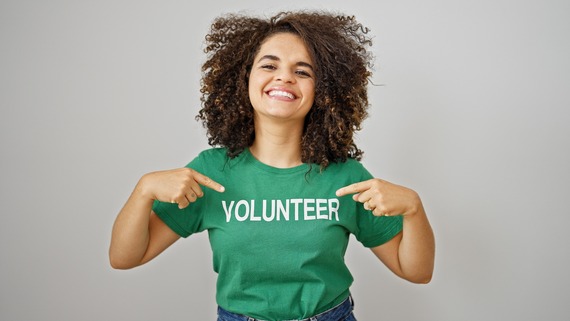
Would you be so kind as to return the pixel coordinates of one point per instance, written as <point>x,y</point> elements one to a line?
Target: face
<point>282,79</point>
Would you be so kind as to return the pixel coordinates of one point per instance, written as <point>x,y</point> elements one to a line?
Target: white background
<point>472,111</point>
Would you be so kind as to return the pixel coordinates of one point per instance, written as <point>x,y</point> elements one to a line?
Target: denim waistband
<point>334,314</point>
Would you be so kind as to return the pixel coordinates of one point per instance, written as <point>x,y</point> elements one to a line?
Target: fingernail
<point>221,189</point>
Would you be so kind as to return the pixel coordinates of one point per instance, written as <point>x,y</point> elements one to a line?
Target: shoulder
<point>214,153</point>
<point>349,164</point>
<point>215,158</point>
<point>208,157</point>
<point>349,168</point>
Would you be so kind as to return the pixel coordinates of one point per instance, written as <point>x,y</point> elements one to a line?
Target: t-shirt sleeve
<point>374,230</point>
<point>183,222</point>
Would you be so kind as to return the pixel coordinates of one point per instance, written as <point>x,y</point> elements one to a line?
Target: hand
<point>382,197</point>
<point>181,186</point>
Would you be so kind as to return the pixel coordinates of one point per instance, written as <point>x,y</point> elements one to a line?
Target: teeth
<point>274,93</point>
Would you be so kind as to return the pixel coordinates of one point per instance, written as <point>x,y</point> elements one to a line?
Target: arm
<point>138,234</point>
<point>411,253</point>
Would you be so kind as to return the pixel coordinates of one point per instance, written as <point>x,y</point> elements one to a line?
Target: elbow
<point>119,263</point>
<point>424,278</point>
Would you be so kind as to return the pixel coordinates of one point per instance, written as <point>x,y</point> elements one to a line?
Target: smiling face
<point>282,79</point>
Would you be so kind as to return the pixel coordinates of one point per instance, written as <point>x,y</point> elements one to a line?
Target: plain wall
<point>471,110</point>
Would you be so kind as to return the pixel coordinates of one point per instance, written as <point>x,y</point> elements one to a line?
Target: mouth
<point>274,93</point>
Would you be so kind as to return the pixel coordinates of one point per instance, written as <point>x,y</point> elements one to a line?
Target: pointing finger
<point>353,188</point>
<point>208,182</point>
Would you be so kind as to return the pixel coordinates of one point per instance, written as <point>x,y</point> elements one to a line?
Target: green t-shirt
<point>278,236</point>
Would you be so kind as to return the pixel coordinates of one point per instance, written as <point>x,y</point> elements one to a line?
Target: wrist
<point>143,190</point>
<point>415,205</point>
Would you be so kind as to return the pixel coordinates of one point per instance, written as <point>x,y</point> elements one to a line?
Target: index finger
<point>353,188</point>
<point>208,182</point>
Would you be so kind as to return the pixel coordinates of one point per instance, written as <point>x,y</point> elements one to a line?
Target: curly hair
<point>337,45</point>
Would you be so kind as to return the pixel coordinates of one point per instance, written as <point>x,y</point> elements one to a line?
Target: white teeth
<point>274,93</point>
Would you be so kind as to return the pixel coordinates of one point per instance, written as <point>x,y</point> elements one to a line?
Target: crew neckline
<point>268,168</point>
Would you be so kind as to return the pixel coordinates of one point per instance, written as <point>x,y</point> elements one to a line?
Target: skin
<point>411,253</point>
<point>281,89</point>
<point>138,234</point>
<point>282,64</point>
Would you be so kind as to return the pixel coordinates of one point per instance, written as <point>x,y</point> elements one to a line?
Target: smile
<point>280,93</point>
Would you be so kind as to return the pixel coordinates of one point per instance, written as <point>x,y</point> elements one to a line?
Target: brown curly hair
<point>337,45</point>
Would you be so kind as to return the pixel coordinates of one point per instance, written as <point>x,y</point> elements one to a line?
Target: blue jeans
<point>342,312</point>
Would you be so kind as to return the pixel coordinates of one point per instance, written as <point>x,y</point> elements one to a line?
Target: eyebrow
<point>275,58</point>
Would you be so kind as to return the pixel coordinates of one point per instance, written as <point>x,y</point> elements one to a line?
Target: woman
<point>283,189</point>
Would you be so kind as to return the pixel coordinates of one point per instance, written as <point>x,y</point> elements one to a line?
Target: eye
<point>268,67</point>
<point>303,73</point>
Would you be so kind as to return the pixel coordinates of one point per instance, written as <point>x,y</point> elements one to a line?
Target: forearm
<point>416,251</point>
<point>130,236</point>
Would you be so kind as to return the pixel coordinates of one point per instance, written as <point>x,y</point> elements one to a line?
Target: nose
<point>285,76</point>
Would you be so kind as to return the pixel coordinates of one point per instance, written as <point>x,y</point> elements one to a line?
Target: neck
<point>277,146</point>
